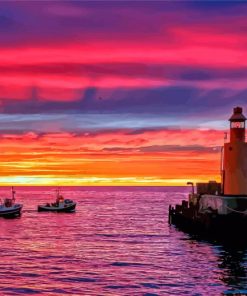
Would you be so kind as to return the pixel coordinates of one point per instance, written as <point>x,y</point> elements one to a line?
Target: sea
<point>118,242</point>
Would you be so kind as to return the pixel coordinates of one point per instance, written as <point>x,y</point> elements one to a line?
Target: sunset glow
<point>113,93</point>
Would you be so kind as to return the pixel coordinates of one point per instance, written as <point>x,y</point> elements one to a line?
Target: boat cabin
<point>8,202</point>
<point>59,199</point>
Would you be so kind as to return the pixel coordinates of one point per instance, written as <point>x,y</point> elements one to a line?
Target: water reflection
<point>232,262</point>
<point>225,262</point>
<point>117,243</point>
<point>231,259</point>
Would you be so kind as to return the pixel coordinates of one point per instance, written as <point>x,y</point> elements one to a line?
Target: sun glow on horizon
<point>94,181</point>
<point>110,158</point>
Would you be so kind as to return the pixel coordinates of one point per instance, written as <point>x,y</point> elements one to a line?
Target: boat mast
<point>13,193</point>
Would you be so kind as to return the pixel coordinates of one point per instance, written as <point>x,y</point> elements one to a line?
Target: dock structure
<point>220,209</point>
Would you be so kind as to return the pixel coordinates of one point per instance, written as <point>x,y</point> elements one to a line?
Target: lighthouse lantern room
<point>234,177</point>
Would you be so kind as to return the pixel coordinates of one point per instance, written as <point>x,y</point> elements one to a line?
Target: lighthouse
<point>234,175</point>
<point>220,210</point>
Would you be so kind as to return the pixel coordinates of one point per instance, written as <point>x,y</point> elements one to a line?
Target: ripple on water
<point>117,243</point>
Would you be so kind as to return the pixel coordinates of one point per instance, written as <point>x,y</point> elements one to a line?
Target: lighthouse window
<point>237,124</point>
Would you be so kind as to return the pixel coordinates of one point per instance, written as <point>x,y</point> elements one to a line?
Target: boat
<point>60,205</point>
<point>219,209</point>
<point>8,207</point>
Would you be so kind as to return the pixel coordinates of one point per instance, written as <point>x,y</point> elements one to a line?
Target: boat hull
<point>11,212</point>
<point>65,209</point>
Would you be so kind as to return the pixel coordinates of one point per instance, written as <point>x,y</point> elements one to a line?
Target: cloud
<point>165,153</point>
<point>166,148</point>
<point>147,141</point>
<point>179,148</point>
<point>144,87</point>
<point>134,55</point>
<point>140,108</point>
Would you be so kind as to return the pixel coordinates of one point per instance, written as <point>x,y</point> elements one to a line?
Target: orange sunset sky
<point>118,93</point>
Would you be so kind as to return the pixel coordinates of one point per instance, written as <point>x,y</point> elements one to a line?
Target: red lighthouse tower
<point>223,215</point>
<point>235,156</point>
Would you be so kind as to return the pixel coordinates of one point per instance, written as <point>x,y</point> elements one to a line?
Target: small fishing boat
<point>8,207</point>
<point>60,205</point>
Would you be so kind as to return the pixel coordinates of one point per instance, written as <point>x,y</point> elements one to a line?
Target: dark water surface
<point>117,243</point>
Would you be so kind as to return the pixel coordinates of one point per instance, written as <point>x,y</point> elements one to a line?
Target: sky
<point>118,92</point>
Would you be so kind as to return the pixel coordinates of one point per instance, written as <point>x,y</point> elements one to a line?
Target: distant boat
<point>60,205</point>
<point>8,207</point>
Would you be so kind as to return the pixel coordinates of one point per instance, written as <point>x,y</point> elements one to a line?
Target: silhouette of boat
<point>8,207</point>
<point>60,205</point>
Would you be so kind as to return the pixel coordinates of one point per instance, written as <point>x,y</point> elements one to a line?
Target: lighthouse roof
<point>237,115</point>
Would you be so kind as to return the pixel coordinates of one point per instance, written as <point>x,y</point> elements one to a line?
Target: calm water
<point>117,243</point>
